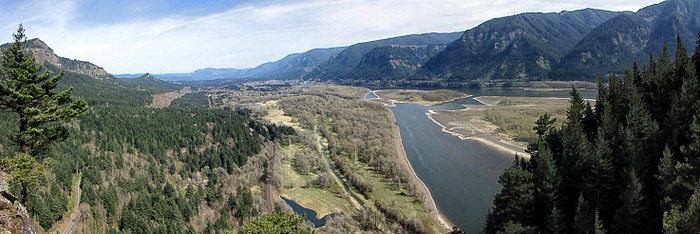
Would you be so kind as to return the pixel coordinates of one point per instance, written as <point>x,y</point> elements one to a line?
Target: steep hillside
<point>44,55</point>
<point>393,61</point>
<point>343,63</point>
<point>630,38</point>
<point>524,46</point>
<point>293,66</point>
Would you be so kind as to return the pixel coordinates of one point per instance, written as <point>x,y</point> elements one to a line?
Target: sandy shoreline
<point>486,142</point>
<point>433,209</point>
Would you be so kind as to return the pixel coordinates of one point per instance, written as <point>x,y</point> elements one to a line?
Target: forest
<point>180,169</point>
<point>628,164</point>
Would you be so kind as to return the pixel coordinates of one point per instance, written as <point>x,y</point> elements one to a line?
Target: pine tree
<point>575,148</point>
<point>601,179</point>
<point>666,176</point>
<point>684,220</point>
<point>556,222</point>
<point>546,181</point>
<point>598,224</point>
<point>513,204</point>
<point>584,221</point>
<point>629,217</point>
<point>30,94</point>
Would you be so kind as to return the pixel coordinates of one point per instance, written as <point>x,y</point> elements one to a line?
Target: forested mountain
<point>292,66</point>
<point>631,164</point>
<point>342,64</point>
<point>630,38</point>
<point>524,46</point>
<point>45,56</point>
<point>393,61</point>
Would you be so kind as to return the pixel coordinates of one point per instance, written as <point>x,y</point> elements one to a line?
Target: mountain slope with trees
<point>630,38</point>
<point>145,170</point>
<point>293,66</point>
<point>342,64</point>
<point>630,164</point>
<point>524,46</point>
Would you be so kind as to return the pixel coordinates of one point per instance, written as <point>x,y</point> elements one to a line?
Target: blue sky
<point>180,36</point>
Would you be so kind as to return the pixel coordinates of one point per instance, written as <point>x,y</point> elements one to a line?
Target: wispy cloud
<point>248,34</point>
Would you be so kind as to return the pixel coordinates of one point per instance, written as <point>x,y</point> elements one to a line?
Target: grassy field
<point>431,97</point>
<point>300,188</point>
<point>512,116</point>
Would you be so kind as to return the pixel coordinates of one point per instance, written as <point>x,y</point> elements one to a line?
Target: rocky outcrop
<point>45,56</point>
<point>13,216</point>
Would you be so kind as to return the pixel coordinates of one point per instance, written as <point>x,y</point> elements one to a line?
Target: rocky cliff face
<point>45,56</point>
<point>13,216</point>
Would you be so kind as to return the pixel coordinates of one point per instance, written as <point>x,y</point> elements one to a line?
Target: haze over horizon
<point>164,37</point>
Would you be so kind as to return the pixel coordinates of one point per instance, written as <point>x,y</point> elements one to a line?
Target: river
<point>462,175</point>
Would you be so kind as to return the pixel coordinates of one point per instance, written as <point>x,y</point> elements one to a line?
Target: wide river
<point>462,175</point>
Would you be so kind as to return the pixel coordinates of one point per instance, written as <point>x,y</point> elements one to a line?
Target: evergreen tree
<point>584,221</point>
<point>684,220</point>
<point>575,148</point>
<point>630,218</point>
<point>556,221</point>
<point>30,94</point>
<point>598,225</point>
<point>513,204</point>
<point>546,181</point>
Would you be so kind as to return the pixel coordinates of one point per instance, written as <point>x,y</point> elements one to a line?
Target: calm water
<point>461,175</point>
<point>309,214</point>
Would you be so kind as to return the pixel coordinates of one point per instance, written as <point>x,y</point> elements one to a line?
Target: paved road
<point>76,211</point>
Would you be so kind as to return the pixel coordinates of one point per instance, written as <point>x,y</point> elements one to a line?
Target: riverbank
<point>427,98</point>
<point>428,197</point>
<point>500,143</point>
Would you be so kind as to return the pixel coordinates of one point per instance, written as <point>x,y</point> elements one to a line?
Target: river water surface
<point>462,175</point>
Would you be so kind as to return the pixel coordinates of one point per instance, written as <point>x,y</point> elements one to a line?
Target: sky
<point>160,36</point>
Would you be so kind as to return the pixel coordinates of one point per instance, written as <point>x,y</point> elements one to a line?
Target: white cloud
<point>248,35</point>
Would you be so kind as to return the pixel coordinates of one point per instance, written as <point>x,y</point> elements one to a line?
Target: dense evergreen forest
<point>148,170</point>
<point>628,164</point>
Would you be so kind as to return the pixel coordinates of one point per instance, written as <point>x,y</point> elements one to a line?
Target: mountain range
<point>567,45</point>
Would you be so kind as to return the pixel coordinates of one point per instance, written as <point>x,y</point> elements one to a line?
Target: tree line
<point>628,164</point>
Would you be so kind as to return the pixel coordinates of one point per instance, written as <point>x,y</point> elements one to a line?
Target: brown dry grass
<point>164,99</point>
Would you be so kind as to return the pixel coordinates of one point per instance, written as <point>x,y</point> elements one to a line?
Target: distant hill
<point>343,64</point>
<point>198,75</point>
<point>45,56</point>
<point>519,47</point>
<point>393,61</point>
<point>293,66</point>
<point>152,81</point>
<point>629,38</point>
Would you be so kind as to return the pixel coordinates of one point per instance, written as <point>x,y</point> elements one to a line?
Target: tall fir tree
<point>575,148</point>
<point>546,181</point>
<point>630,217</point>
<point>25,90</point>
<point>584,221</point>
